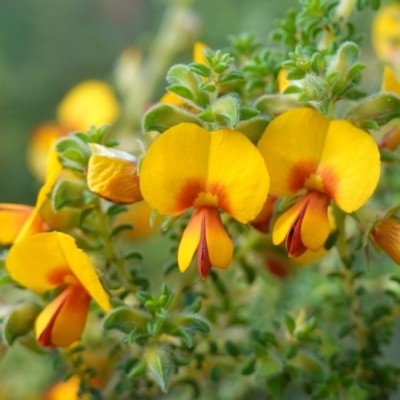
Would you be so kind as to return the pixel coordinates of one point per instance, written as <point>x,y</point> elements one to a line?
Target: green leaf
<point>125,319</point>
<point>290,324</point>
<point>274,105</point>
<point>20,321</point>
<point>199,69</point>
<point>249,367</point>
<point>69,193</point>
<point>159,362</point>
<point>164,116</point>
<point>232,348</point>
<point>232,76</point>
<point>295,74</point>
<point>120,228</point>
<point>381,108</point>
<point>225,111</point>
<point>133,255</point>
<point>252,128</point>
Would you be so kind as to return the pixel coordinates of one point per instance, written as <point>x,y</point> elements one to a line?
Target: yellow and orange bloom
<point>89,103</point>
<point>386,235</point>
<point>112,174</point>
<point>51,260</point>
<point>319,160</point>
<point>262,221</point>
<point>186,167</point>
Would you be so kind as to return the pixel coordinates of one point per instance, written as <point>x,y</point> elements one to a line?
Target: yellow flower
<point>112,174</point>
<point>50,260</point>
<point>89,103</point>
<point>188,166</point>
<point>263,220</point>
<point>328,160</point>
<point>386,33</point>
<point>67,390</point>
<point>386,235</point>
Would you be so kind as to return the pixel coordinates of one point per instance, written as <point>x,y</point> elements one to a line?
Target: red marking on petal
<point>329,181</point>
<point>203,259</point>
<point>56,276</point>
<point>300,173</point>
<point>189,193</point>
<point>294,245</point>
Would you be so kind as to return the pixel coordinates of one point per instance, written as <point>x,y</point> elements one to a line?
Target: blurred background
<point>48,46</point>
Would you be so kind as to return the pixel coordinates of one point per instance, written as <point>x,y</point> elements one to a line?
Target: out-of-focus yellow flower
<point>386,33</point>
<point>188,166</point>
<point>386,235</point>
<point>112,174</point>
<point>89,103</point>
<point>283,82</point>
<point>138,214</point>
<point>67,390</point>
<point>329,160</point>
<point>49,260</point>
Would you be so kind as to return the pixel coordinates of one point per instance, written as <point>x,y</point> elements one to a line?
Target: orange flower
<point>319,160</point>
<point>188,166</point>
<point>50,260</point>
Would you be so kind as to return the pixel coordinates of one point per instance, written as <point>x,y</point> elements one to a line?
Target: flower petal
<point>38,262</point>
<point>188,165</point>
<point>47,260</point>
<point>349,165</point>
<point>54,169</point>
<point>292,145</point>
<point>12,219</point>
<point>390,82</point>
<point>285,221</point>
<point>315,226</point>
<point>219,244</point>
<point>89,103</point>
<point>198,56</point>
<point>386,32</point>
<point>190,240</point>
<point>387,235</point>
<point>62,322</point>
<point>237,173</point>
<point>174,169</point>
<point>112,174</point>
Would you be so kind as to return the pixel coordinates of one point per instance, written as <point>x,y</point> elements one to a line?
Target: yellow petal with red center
<point>291,147</point>
<point>349,165</point>
<point>198,56</point>
<point>54,169</point>
<point>285,221</point>
<point>112,174</point>
<point>188,165</point>
<point>12,218</point>
<point>386,32</point>
<point>390,82</point>
<point>62,322</point>
<point>237,175</point>
<point>219,244</point>
<point>47,260</point>
<point>88,103</point>
<point>43,138</point>
<point>387,235</point>
<point>174,170</point>
<point>190,239</point>
<point>315,226</point>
